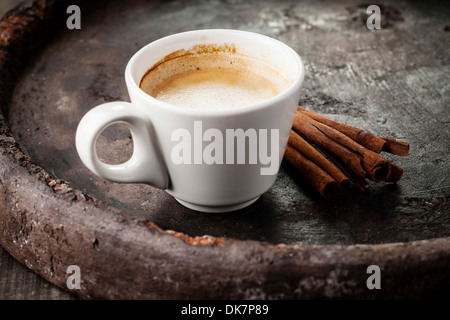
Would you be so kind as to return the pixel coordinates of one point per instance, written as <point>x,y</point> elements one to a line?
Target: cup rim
<point>293,87</point>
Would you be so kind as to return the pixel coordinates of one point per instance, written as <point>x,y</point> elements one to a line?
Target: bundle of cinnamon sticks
<point>331,155</point>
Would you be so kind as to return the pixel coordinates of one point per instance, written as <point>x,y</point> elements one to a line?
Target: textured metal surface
<point>392,82</point>
<point>352,74</point>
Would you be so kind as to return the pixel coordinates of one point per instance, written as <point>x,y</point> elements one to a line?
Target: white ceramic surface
<point>203,187</point>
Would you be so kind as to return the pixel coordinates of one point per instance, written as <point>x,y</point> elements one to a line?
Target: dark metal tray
<point>134,241</point>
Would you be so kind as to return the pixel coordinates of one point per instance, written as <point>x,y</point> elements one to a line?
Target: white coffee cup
<point>200,185</point>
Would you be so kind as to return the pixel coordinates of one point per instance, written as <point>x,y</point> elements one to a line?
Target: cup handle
<point>144,166</point>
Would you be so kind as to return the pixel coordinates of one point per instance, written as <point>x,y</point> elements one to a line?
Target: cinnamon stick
<point>319,159</point>
<point>346,159</point>
<point>317,177</point>
<point>395,174</point>
<point>330,154</point>
<point>364,138</point>
<point>358,180</point>
<point>396,147</point>
<point>358,159</point>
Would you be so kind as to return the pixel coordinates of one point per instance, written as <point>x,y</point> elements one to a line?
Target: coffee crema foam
<point>212,80</point>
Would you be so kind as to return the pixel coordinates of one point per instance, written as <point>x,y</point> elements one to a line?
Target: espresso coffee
<point>212,80</point>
